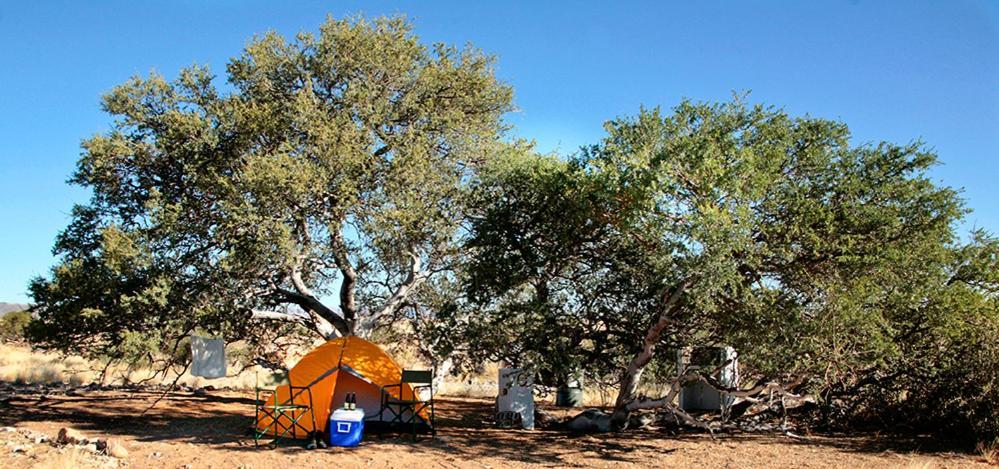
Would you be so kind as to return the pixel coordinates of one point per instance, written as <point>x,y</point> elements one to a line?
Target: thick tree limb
<point>631,377</point>
<point>308,319</point>
<point>278,316</point>
<point>349,280</point>
<point>312,305</point>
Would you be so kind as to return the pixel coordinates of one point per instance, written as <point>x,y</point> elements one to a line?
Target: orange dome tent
<point>340,366</point>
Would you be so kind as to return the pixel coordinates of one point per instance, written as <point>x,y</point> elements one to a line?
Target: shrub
<point>13,326</point>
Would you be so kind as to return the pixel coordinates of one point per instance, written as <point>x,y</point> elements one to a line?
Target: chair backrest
<point>417,376</point>
<point>270,381</point>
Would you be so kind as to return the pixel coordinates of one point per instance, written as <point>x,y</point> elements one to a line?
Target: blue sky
<point>893,71</point>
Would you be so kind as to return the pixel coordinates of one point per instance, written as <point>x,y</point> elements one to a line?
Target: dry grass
<point>70,459</point>
<point>19,364</point>
<point>920,465</point>
<point>989,452</point>
<point>22,365</point>
<point>485,385</point>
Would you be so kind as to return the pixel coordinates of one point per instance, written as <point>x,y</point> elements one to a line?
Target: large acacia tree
<point>330,166</point>
<point>821,261</point>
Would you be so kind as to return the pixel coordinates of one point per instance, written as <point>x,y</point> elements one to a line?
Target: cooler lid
<point>355,415</point>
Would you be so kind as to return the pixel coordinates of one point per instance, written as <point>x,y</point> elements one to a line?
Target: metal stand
<point>285,417</point>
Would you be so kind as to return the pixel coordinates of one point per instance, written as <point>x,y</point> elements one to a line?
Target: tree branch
<point>317,311</point>
<point>349,281</point>
<point>313,321</point>
<point>414,278</point>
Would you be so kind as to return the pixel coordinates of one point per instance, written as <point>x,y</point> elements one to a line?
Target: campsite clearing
<point>209,430</point>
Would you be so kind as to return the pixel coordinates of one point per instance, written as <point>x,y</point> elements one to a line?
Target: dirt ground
<point>196,431</point>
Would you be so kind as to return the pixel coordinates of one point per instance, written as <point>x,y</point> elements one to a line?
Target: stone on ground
<point>71,436</point>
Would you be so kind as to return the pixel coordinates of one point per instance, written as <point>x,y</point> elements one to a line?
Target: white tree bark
<point>308,319</point>
<point>632,375</point>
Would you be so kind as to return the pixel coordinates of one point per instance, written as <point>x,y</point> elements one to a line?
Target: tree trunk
<point>631,377</point>
<point>441,371</point>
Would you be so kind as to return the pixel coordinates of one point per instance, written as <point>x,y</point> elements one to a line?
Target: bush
<point>13,326</point>
<point>953,391</point>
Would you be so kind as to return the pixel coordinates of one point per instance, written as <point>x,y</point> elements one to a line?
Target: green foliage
<point>942,376</point>
<point>13,326</point>
<point>536,289</point>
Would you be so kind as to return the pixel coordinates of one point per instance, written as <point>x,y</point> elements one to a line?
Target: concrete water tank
<point>516,394</point>
<point>699,396</point>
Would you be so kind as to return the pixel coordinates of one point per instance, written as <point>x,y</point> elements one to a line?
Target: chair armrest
<point>386,395</point>
<point>417,388</point>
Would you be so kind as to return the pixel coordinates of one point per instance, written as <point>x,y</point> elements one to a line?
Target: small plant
<point>989,452</point>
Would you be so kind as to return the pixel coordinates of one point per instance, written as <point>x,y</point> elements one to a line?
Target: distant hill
<point>12,307</point>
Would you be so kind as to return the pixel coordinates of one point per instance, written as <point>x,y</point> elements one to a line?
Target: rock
<point>102,444</point>
<point>90,448</point>
<point>71,436</point>
<point>73,393</point>
<point>643,420</point>
<point>20,449</point>
<point>116,449</point>
<point>8,429</point>
<point>590,420</point>
<point>39,439</point>
<point>200,392</point>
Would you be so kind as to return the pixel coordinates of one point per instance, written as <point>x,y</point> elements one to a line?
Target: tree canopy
<point>331,165</point>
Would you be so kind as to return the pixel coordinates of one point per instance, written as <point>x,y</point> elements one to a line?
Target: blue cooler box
<point>345,427</point>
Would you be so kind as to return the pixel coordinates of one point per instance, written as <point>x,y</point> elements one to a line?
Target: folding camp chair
<point>398,406</point>
<point>285,416</point>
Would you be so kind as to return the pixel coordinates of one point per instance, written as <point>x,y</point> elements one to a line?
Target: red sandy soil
<point>185,430</point>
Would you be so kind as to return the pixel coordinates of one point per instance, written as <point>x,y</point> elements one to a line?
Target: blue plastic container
<point>346,427</point>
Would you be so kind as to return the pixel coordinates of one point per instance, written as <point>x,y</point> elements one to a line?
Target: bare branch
<point>414,278</point>
<point>277,316</point>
